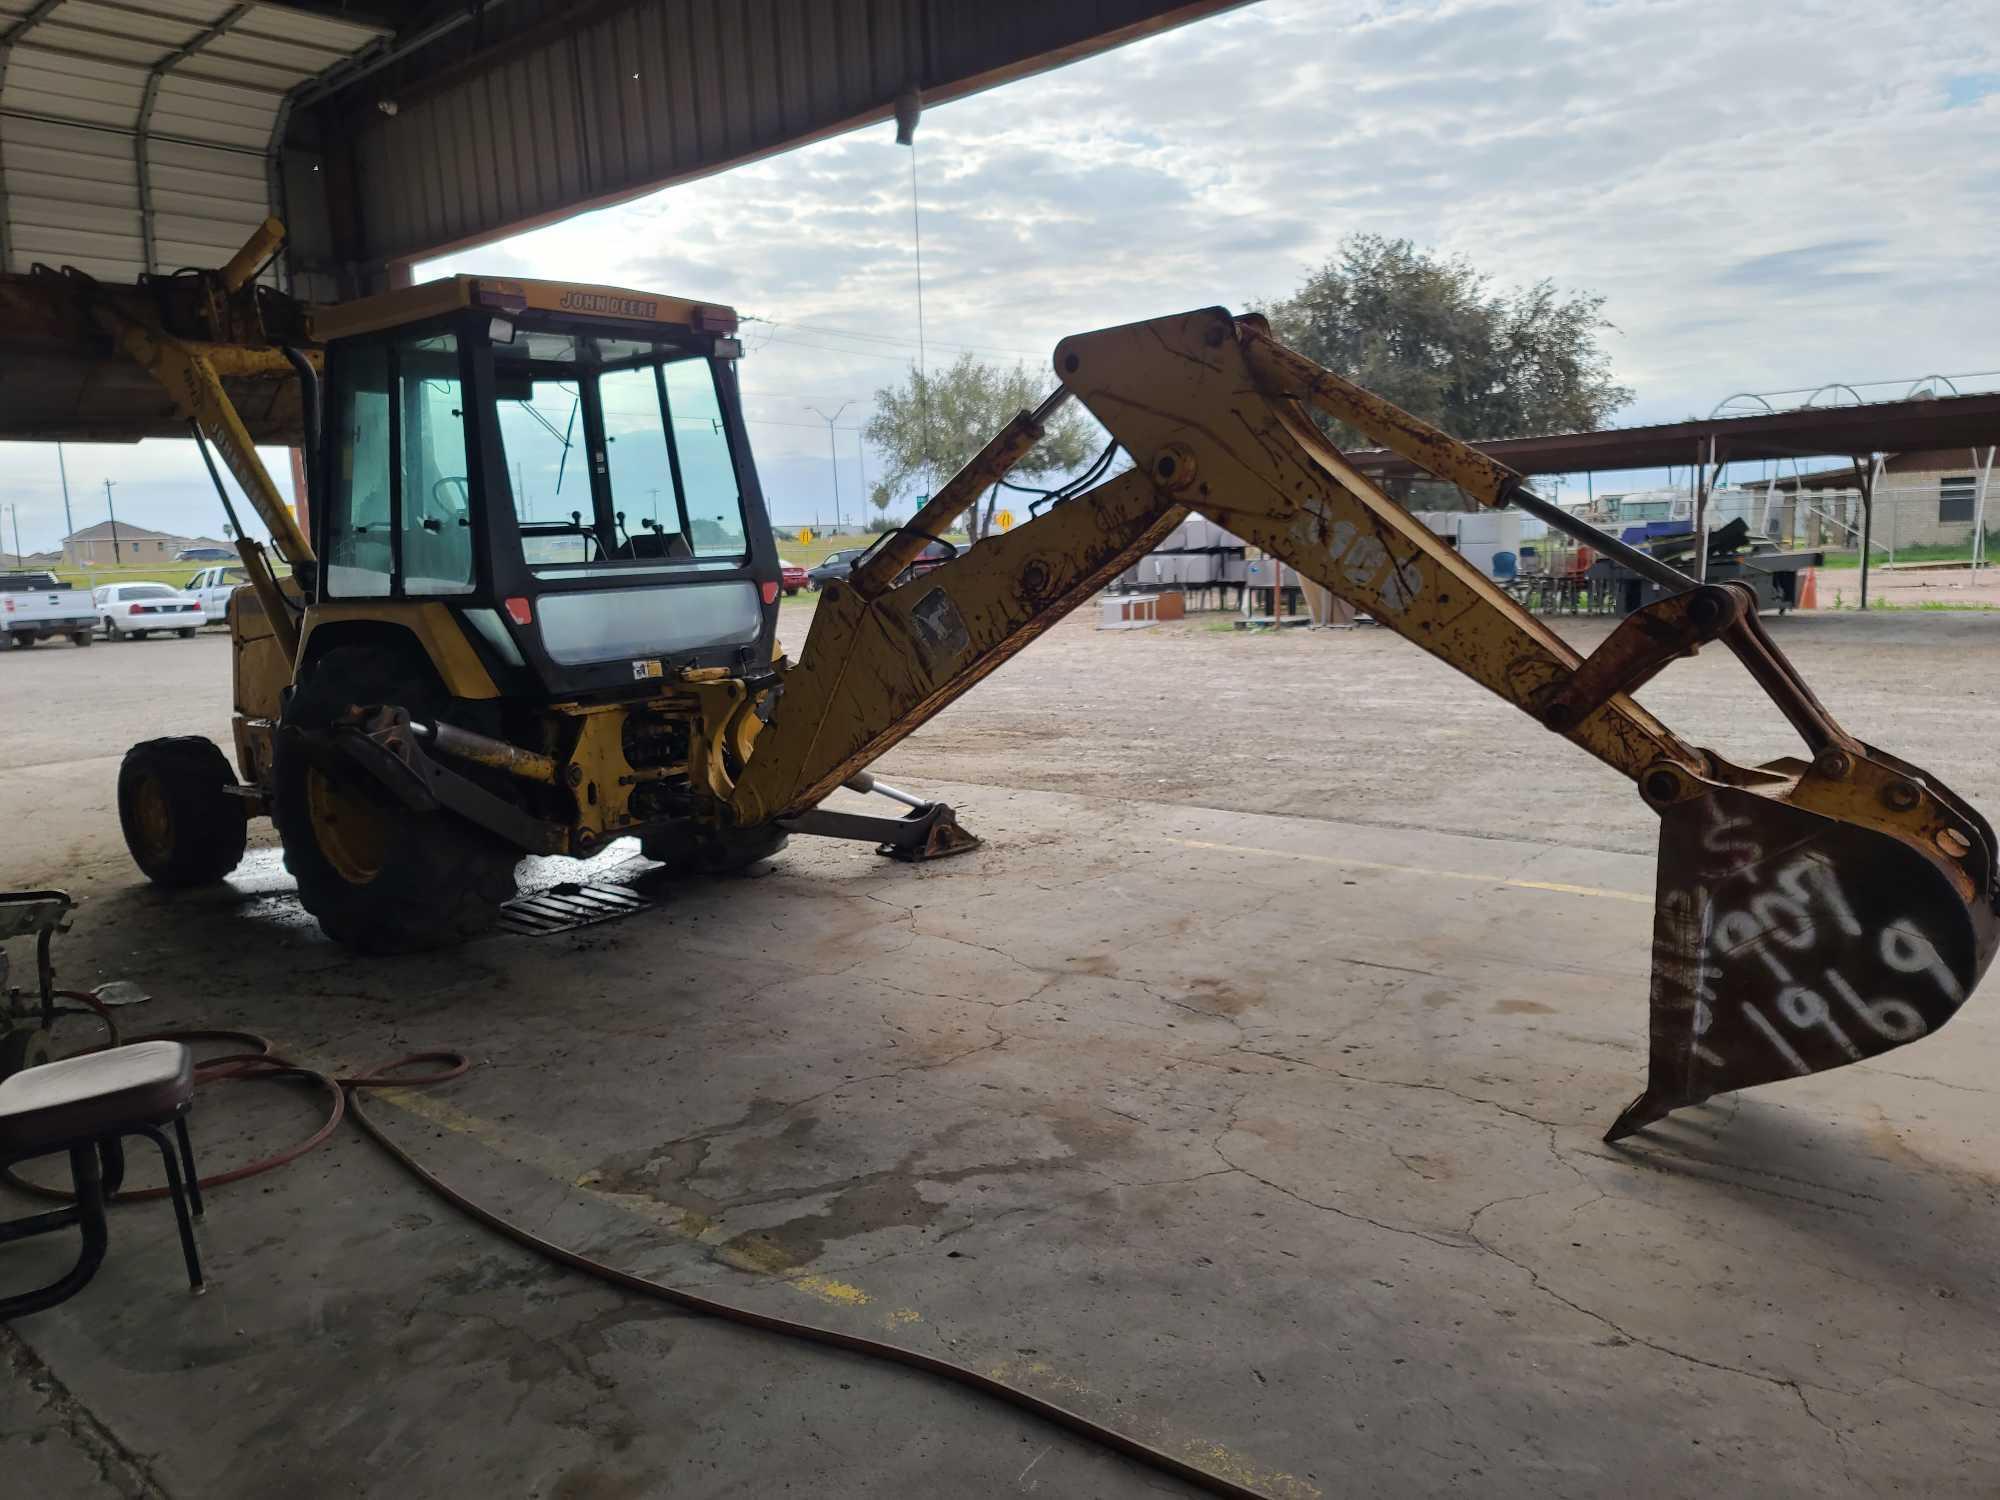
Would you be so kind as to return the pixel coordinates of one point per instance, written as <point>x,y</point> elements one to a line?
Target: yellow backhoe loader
<point>537,613</point>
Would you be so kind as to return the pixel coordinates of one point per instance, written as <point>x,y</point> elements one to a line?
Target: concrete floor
<point>1272,1139</point>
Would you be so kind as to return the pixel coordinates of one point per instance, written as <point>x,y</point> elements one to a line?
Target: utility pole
<point>117,557</point>
<point>832,453</point>
<point>19,555</point>
<point>69,526</point>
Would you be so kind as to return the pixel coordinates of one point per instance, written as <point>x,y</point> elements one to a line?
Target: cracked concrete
<point>1287,1160</point>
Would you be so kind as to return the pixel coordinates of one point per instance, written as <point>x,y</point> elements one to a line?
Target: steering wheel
<point>443,502</point>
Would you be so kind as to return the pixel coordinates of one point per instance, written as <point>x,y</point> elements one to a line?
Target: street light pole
<point>69,526</point>
<point>832,454</point>
<point>117,557</point>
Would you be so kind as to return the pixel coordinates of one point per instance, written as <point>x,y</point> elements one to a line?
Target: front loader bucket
<point>1787,942</point>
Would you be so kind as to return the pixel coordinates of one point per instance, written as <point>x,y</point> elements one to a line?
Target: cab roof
<point>506,294</point>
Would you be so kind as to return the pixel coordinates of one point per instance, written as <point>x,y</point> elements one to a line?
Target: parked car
<point>203,554</point>
<point>833,568</point>
<point>213,586</point>
<point>34,605</point>
<point>791,577</point>
<point>133,611</point>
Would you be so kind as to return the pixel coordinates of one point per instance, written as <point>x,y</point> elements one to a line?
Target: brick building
<point>136,546</point>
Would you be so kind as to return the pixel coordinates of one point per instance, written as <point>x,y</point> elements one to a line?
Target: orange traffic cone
<point>1809,590</point>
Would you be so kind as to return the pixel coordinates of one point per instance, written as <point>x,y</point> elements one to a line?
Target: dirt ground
<point>1360,726</point>
<point>1353,725</point>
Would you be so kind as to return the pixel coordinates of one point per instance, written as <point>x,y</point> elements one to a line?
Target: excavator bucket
<point>1787,942</point>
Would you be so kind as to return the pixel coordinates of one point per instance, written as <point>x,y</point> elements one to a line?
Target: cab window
<point>400,520</point>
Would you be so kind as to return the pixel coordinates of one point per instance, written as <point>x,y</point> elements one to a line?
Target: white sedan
<point>132,611</point>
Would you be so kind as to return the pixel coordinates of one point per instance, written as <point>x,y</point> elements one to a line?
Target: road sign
<point>1004,520</point>
<point>805,535</point>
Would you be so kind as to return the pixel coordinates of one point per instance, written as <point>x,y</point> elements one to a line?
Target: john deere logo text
<point>608,305</point>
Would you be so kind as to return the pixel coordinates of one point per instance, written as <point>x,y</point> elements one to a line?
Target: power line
<point>806,426</point>
<point>887,338</point>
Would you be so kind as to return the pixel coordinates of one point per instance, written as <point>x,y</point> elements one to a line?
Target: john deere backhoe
<point>538,612</point>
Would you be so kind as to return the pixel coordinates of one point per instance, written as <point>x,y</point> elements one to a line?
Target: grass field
<point>172,574</point>
<point>1925,552</point>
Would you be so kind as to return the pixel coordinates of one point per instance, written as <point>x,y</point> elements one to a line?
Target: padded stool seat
<point>46,1108</point>
<point>86,1106</point>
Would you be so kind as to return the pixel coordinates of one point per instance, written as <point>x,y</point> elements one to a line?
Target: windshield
<point>662,488</point>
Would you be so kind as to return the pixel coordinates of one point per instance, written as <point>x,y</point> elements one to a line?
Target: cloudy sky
<point>1770,195</point>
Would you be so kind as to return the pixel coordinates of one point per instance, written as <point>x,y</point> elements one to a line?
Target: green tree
<point>928,427</point>
<point>1431,334</point>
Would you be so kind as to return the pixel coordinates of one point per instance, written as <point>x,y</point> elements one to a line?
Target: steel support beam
<point>142,138</point>
<point>37,13</point>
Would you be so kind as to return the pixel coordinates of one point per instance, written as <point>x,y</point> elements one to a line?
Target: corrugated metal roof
<point>138,135</point>
<point>562,106</point>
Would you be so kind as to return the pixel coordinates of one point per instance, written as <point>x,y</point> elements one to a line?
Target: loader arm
<point>1810,913</point>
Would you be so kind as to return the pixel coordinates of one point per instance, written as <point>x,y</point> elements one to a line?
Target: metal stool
<point>87,1106</point>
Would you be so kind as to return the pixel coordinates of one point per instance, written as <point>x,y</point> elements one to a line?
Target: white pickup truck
<point>35,605</point>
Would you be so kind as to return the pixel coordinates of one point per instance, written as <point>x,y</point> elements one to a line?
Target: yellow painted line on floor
<point>1369,864</point>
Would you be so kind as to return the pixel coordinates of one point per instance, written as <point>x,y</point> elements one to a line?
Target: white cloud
<point>1769,196</point>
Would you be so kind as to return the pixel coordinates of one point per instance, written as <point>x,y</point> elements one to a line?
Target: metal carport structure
<point>144,135</point>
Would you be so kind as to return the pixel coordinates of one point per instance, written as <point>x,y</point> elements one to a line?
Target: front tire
<point>182,825</point>
<point>380,878</point>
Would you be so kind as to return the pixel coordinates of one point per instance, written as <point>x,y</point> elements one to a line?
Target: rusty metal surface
<point>1180,395</point>
<point>1641,646</point>
<point>1786,943</point>
<point>1003,450</point>
<point>1282,371</point>
<point>872,670</point>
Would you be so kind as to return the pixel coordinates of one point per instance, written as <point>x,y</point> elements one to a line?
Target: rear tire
<point>186,632</point>
<point>83,638</point>
<point>380,878</point>
<point>21,640</point>
<point>181,824</point>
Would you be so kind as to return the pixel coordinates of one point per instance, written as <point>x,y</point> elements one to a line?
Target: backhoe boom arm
<point>1810,913</point>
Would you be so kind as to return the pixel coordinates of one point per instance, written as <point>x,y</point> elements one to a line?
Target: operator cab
<point>565,467</point>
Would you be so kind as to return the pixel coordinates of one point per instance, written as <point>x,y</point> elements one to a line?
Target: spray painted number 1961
<point>1801,919</point>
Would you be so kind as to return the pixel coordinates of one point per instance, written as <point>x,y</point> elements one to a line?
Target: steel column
<point>142,137</point>
<point>1866,470</point>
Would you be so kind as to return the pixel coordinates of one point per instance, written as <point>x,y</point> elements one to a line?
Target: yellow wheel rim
<point>351,833</point>
<point>156,824</point>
